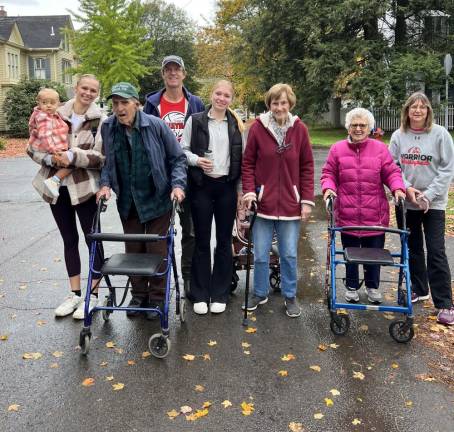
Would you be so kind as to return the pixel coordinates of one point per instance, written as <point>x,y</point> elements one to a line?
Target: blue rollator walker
<point>401,330</point>
<point>129,265</point>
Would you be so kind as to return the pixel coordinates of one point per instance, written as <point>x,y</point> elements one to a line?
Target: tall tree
<point>112,41</point>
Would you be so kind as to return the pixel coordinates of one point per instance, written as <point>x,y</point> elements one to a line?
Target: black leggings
<point>65,216</point>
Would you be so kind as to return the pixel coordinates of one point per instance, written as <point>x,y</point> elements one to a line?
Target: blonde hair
<point>276,91</point>
<point>88,76</point>
<point>231,111</point>
<point>54,92</point>
<point>405,118</point>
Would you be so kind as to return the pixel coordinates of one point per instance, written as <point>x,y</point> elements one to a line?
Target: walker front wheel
<point>401,331</point>
<point>339,324</point>
<point>106,313</point>
<point>275,281</point>
<point>159,345</point>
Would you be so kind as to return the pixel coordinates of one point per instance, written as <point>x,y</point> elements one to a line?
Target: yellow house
<point>34,47</point>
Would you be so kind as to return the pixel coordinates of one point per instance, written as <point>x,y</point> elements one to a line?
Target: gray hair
<point>362,113</point>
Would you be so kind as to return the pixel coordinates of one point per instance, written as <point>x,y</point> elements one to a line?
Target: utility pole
<point>448,67</point>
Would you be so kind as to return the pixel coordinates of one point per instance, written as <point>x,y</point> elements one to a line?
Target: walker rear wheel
<point>182,309</point>
<point>105,313</point>
<point>84,343</point>
<point>339,324</point>
<point>401,331</point>
<point>159,345</point>
<point>275,281</point>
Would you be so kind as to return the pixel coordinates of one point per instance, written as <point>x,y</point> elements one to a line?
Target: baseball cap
<point>124,90</point>
<point>173,59</point>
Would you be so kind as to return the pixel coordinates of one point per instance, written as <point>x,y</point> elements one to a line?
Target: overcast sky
<point>199,10</point>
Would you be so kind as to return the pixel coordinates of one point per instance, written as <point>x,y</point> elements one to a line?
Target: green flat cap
<point>124,90</point>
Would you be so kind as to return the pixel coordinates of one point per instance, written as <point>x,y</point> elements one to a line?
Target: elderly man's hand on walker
<point>178,194</point>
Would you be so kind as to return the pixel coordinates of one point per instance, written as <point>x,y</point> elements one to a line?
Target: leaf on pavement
<point>54,365</point>
<point>245,344</point>
<point>408,403</point>
<point>185,409</point>
<point>146,354</point>
<point>189,357</point>
<point>198,414</point>
<point>295,427</point>
<point>334,392</point>
<point>110,344</point>
<point>334,346</point>
<point>226,403</point>
<point>358,375</point>
<point>172,414</point>
<point>23,286</point>
<point>41,323</point>
<point>389,315</point>
<point>288,357</point>
<point>110,378</point>
<point>118,386</point>
<point>4,337</point>
<point>247,408</point>
<point>103,364</point>
<point>318,416</point>
<point>118,350</point>
<point>315,368</point>
<point>322,347</point>
<point>207,404</point>
<point>425,377</point>
<point>31,356</point>
<point>199,388</point>
<point>329,402</point>
<point>364,327</point>
<point>251,330</point>
<point>246,352</point>
<point>356,421</point>
<point>14,407</point>
<point>131,362</point>
<point>395,366</point>
<point>212,343</point>
<point>57,354</point>
<point>88,382</point>
<point>283,373</point>
<point>206,356</point>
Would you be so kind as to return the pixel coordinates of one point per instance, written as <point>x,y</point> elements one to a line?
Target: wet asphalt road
<point>49,390</point>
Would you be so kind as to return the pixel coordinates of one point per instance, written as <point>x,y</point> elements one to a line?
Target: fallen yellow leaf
<point>226,403</point>
<point>389,315</point>
<point>334,392</point>
<point>14,407</point>
<point>41,322</point>
<point>185,409</point>
<point>189,357</point>
<point>425,377</point>
<point>358,375</point>
<point>118,350</point>
<point>246,352</point>
<point>356,421</point>
<point>315,368</point>
<point>206,357</point>
<point>295,427</point>
<point>334,346</point>
<point>54,365</point>
<point>201,413</point>
<point>4,337</point>
<point>253,319</point>
<point>110,378</point>
<point>247,408</point>
<point>146,354</point>
<point>131,362</point>
<point>408,403</point>
<point>88,382</point>
<point>206,404</point>
<point>251,330</point>
<point>318,416</point>
<point>245,344</point>
<point>103,364</point>
<point>283,373</point>
<point>172,414</point>
<point>395,366</point>
<point>212,343</point>
<point>322,347</point>
<point>199,388</point>
<point>57,354</point>
<point>23,286</point>
<point>288,357</point>
<point>364,327</point>
<point>110,344</point>
<point>32,356</point>
<point>329,402</point>
<point>118,386</point>
<point>432,317</point>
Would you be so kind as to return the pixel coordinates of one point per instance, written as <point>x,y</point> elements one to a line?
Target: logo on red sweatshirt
<point>415,157</point>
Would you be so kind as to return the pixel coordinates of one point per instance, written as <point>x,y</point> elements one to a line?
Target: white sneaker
<point>51,186</point>
<point>217,307</point>
<point>69,305</point>
<point>79,312</point>
<point>374,296</point>
<point>351,295</point>
<point>200,308</point>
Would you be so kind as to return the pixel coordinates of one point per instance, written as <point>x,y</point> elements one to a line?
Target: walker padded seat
<point>358,255</point>
<point>132,264</point>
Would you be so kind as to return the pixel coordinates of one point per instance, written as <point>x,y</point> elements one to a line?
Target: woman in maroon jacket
<point>278,173</point>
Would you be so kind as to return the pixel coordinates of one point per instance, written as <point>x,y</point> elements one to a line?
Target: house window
<point>67,76</point>
<point>65,42</point>
<point>13,65</point>
<point>39,68</point>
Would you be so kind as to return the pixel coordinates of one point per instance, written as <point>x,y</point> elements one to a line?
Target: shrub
<point>2,143</point>
<point>21,99</point>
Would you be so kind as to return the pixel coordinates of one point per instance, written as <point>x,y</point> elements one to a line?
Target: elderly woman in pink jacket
<point>355,172</point>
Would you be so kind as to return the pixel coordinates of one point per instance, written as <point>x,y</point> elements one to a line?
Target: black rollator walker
<point>401,330</point>
<point>130,265</point>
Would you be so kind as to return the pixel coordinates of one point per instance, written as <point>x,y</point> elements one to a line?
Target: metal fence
<point>389,119</point>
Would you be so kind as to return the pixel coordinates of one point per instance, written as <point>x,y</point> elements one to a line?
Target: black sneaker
<point>253,301</point>
<point>137,301</point>
<point>151,315</point>
<point>292,308</point>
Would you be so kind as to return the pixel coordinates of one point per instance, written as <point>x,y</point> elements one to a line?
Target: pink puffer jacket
<point>357,173</point>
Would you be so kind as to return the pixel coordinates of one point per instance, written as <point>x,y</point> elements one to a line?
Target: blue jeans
<point>288,232</point>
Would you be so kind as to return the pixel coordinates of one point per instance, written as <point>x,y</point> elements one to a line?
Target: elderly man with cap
<point>146,168</point>
<point>175,104</point>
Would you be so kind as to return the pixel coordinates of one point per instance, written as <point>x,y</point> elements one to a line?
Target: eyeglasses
<point>358,125</point>
<point>416,108</point>
<point>283,147</point>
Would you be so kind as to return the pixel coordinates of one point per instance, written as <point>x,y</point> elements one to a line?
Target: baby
<point>49,134</point>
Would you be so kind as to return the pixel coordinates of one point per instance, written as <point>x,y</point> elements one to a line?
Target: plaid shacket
<point>48,132</point>
<point>83,182</point>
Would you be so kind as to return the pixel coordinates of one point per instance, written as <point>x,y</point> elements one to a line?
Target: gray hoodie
<point>427,162</point>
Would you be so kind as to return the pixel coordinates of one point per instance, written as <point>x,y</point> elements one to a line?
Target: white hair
<point>359,113</point>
